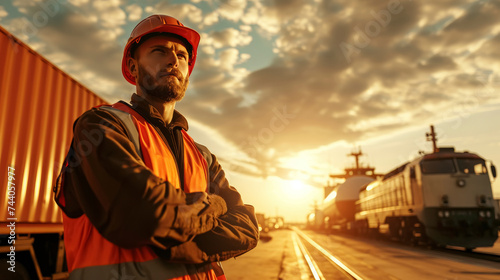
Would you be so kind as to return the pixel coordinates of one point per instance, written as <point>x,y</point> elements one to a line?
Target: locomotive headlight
<point>488,214</point>
<point>440,214</point>
<point>481,214</point>
<point>447,213</point>
<point>461,183</point>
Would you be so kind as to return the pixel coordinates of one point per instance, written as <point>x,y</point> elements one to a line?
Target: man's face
<point>162,68</point>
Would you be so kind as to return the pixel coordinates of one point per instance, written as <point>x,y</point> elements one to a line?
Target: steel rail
<point>313,267</point>
<point>304,272</point>
<point>329,256</point>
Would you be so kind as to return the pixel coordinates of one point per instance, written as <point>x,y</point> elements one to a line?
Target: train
<point>443,198</point>
<point>338,208</point>
<point>38,105</point>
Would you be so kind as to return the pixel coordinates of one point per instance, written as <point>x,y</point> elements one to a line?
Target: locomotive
<point>443,198</point>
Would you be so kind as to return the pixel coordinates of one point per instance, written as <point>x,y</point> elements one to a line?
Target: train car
<point>315,220</point>
<point>38,105</point>
<point>444,198</point>
<point>338,208</point>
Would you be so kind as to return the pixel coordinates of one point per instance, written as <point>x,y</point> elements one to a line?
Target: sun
<point>296,185</point>
<point>296,190</point>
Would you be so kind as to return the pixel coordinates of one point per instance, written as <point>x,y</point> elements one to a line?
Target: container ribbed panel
<point>38,105</point>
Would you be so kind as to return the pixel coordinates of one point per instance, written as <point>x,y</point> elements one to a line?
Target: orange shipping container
<point>38,105</point>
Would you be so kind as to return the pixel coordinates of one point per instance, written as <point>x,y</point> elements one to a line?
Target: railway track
<point>315,262</point>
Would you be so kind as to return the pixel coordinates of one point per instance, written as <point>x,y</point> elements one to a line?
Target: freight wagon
<point>38,104</point>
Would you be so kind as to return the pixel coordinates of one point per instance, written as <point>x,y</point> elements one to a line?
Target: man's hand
<point>199,207</point>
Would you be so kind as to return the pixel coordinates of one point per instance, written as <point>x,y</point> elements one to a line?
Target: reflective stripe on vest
<point>91,256</point>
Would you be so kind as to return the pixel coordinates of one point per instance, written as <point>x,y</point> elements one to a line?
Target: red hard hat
<point>159,23</point>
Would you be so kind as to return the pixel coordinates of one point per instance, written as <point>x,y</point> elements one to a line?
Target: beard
<point>161,87</point>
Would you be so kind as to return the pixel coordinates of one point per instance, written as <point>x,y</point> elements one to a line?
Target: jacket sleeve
<point>236,233</point>
<point>130,206</point>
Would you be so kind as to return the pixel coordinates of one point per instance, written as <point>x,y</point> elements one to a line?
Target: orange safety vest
<point>91,256</point>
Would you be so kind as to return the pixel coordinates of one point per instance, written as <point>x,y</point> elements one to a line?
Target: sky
<point>283,90</point>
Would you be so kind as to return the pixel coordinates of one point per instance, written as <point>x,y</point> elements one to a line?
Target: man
<point>141,199</point>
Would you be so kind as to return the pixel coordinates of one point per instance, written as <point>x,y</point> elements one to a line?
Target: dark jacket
<point>130,206</point>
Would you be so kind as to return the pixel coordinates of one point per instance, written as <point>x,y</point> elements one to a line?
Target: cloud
<point>134,12</point>
<point>232,9</point>
<point>23,5</point>
<point>3,12</point>
<point>479,19</point>
<point>109,13</point>
<point>488,54</point>
<point>263,17</point>
<point>78,3</point>
<point>84,46</point>
<point>228,37</point>
<point>209,19</point>
<point>415,63</point>
<point>437,63</point>
<point>188,14</point>
<point>228,59</point>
